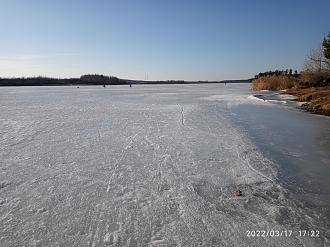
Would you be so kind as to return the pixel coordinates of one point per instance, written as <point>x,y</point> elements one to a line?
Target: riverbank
<point>316,99</point>
<point>315,94</point>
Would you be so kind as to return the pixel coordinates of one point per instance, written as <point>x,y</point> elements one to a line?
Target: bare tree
<point>316,61</point>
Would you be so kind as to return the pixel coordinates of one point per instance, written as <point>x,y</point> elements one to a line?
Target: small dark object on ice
<point>104,85</point>
<point>238,193</point>
<point>77,87</point>
<point>130,85</point>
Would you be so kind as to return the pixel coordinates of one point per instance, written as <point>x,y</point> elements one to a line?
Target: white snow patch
<point>233,100</point>
<point>252,97</point>
<point>286,97</point>
<point>276,101</point>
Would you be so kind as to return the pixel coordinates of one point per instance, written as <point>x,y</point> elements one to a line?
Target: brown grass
<point>274,83</point>
<point>317,99</point>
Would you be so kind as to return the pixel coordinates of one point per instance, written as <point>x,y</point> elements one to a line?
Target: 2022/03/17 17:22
<point>282,233</point>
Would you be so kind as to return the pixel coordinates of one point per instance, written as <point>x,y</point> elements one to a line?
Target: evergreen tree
<point>326,46</point>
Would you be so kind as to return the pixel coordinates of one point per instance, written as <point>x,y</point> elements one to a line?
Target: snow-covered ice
<point>142,166</point>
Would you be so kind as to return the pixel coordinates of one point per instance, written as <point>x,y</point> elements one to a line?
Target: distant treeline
<point>46,81</point>
<point>189,82</point>
<point>91,79</point>
<point>101,80</point>
<point>287,72</point>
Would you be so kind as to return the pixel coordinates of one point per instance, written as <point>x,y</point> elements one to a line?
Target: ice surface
<point>141,166</point>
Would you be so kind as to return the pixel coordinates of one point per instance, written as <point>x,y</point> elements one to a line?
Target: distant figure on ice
<point>104,85</point>
<point>130,85</point>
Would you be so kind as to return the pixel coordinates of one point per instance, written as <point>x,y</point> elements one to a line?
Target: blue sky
<point>167,39</point>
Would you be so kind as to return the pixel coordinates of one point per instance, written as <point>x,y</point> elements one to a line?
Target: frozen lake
<point>158,165</point>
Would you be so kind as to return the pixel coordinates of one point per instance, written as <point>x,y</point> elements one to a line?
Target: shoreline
<point>315,99</point>
<point>315,96</point>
